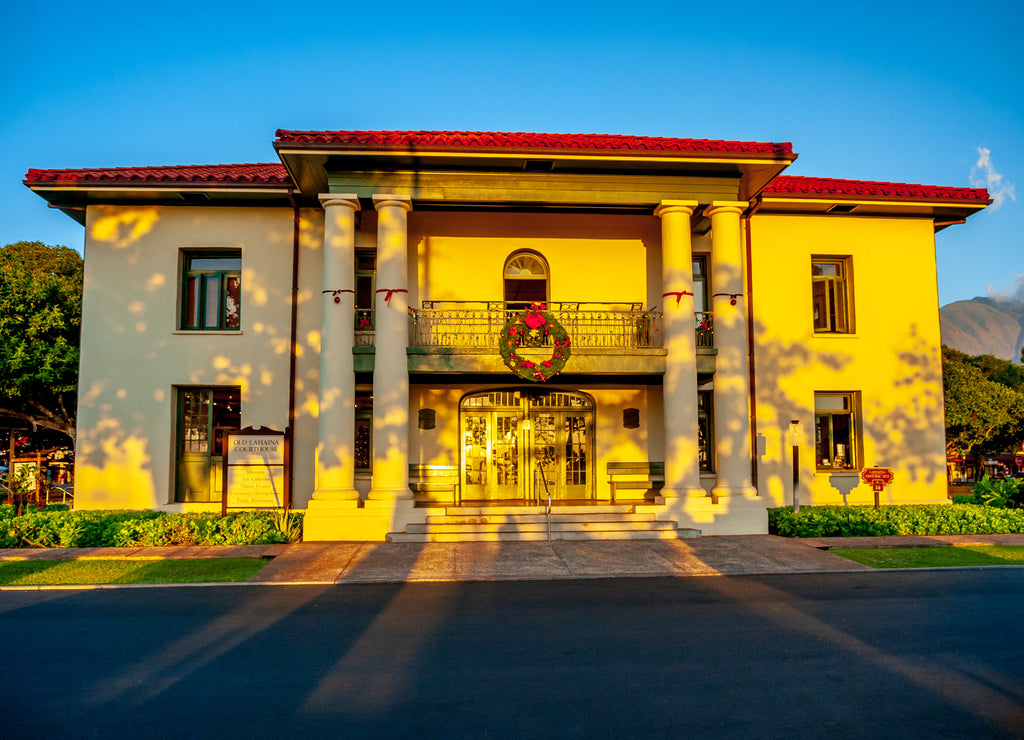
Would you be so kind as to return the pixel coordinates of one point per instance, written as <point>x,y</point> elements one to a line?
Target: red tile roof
<point>453,140</point>
<point>273,173</point>
<point>791,185</point>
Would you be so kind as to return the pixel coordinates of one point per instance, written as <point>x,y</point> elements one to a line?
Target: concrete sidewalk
<point>360,562</point>
<point>377,562</point>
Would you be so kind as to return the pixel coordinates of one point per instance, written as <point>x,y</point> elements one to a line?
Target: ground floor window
<point>835,435</point>
<point>204,414</point>
<point>364,432</point>
<point>706,431</point>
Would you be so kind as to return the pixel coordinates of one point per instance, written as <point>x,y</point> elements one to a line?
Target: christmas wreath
<point>534,327</point>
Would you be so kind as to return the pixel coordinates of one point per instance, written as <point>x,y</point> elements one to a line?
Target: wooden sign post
<point>878,479</point>
<point>254,469</point>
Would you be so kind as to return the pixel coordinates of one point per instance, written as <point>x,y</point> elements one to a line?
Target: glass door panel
<point>203,416</point>
<point>545,458</point>
<point>506,456</point>
<point>560,450</point>
<point>476,449</point>
<point>574,467</point>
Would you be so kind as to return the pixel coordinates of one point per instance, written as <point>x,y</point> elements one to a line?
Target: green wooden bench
<point>648,477</point>
<point>430,480</point>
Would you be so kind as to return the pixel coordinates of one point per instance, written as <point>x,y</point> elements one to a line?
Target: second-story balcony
<point>606,337</point>
<point>472,324</point>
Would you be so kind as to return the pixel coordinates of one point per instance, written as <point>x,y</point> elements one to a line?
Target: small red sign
<point>877,478</point>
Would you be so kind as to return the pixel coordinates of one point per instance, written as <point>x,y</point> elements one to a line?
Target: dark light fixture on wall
<point>428,418</point>
<point>631,418</point>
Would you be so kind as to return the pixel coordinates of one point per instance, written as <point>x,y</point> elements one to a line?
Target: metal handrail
<point>631,306</point>
<point>547,510</point>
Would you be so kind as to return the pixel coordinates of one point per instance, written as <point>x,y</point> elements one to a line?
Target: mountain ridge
<point>984,326</point>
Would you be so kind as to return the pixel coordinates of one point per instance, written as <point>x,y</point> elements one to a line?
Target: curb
<point>381,581</point>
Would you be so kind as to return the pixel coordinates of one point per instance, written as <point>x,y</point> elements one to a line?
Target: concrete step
<point>541,526</point>
<point>525,518</point>
<point>657,534</point>
<point>525,510</point>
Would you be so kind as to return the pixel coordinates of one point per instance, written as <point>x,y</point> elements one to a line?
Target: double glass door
<point>518,446</point>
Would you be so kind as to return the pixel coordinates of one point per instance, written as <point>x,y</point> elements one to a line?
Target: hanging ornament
<point>337,293</point>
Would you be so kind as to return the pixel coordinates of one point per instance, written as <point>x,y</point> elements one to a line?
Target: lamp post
<point>795,438</point>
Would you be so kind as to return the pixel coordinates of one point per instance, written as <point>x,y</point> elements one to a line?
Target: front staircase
<point>530,524</point>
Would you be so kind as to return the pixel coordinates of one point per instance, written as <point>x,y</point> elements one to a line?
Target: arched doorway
<point>518,444</point>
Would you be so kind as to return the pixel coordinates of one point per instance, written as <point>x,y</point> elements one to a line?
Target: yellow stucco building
<point>462,330</point>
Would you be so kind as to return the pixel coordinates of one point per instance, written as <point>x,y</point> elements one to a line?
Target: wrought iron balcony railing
<point>477,324</point>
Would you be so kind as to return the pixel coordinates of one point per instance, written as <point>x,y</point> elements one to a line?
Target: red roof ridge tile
<point>795,184</point>
<point>265,172</point>
<point>449,140</point>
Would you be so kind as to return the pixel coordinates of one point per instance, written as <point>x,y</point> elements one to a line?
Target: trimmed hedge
<point>55,528</point>
<point>866,521</point>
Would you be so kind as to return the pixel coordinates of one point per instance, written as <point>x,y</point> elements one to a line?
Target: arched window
<point>526,279</point>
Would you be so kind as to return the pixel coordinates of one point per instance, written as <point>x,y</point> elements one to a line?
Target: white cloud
<point>1014,294</point>
<point>984,175</point>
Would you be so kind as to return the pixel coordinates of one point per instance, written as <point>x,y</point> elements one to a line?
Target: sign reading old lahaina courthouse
<point>255,469</point>
<point>453,320</point>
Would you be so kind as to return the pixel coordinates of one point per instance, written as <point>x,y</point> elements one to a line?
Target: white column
<point>732,384</point>
<point>682,440</point>
<point>391,362</point>
<point>335,453</point>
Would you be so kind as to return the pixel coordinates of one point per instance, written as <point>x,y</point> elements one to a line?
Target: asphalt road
<point>909,654</point>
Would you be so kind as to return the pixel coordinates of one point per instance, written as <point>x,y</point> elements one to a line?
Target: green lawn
<point>933,557</point>
<point>118,570</point>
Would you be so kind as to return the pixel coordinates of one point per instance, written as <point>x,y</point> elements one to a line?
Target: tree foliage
<point>982,414</point>
<point>992,368</point>
<point>40,324</point>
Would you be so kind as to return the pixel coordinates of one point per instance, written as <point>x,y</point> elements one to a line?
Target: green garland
<point>534,327</point>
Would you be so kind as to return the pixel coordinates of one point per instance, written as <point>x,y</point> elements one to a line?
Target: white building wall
<point>133,355</point>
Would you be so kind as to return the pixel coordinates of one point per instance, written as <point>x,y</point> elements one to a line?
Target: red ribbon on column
<point>390,292</point>
<point>678,294</point>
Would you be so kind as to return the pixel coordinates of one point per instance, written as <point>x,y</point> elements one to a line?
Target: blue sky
<point>922,92</point>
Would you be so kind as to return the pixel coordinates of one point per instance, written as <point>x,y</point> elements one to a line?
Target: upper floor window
<point>366,284</point>
<point>830,288</point>
<point>700,289</point>
<point>526,279</point>
<point>211,287</point>
<point>835,433</point>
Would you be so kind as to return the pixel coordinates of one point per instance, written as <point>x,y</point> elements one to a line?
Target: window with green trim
<point>366,283</point>
<point>835,431</point>
<point>706,430</point>
<point>830,289</point>
<point>211,290</point>
<point>204,414</point>
<point>364,432</point>
<point>700,293</point>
